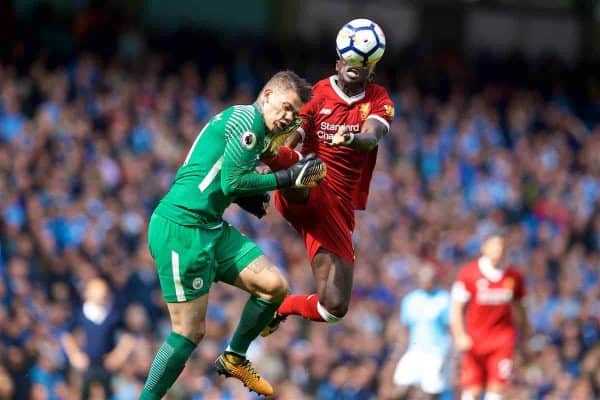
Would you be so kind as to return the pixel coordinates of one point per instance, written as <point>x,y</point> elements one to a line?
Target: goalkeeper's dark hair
<point>290,80</point>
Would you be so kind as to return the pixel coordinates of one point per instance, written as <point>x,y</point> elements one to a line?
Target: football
<point>360,42</point>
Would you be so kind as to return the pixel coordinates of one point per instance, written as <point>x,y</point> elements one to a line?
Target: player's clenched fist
<point>307,172</point>
<point>342,137</point>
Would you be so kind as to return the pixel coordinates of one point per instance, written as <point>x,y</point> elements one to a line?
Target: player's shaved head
<point>289,80</point>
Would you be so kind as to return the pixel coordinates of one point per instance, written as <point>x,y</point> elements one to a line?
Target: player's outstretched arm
<point>238,176</point>
<point>372,131</point>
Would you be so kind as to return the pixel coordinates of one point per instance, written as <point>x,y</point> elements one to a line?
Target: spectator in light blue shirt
<point>11,121</point>
<point>425,312</point>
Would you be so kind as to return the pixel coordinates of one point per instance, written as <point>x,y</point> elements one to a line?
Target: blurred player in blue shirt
<point>425,312</point>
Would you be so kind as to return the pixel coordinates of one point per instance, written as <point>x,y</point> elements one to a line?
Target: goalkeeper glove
<point>255,205</point>
<point>305,173</point>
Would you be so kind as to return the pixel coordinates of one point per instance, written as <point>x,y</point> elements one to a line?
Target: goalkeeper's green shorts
<point>189,258</point>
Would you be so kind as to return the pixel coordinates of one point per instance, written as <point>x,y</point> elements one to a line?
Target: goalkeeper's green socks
<point>167,365</point>
<point>256,315</point>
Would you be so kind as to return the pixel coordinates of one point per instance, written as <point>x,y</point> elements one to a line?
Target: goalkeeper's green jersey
<point>219,167</point>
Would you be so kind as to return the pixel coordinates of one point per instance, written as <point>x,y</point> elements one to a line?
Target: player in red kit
<point>343,123</point>
<point>486,311</point>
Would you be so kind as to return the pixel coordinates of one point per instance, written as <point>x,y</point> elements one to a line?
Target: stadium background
<point>498,106</point>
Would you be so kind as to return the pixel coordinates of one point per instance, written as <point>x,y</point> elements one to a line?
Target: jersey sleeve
<point>383,107</point>
<point>462,290</point>
<point>238,176</point>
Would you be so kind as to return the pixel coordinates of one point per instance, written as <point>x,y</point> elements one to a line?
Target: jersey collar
<point>488,270</point>
<point>348,99</point>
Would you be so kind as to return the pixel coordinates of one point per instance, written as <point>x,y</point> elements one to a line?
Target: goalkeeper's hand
<point>256,205</point>
<point>307,172</point>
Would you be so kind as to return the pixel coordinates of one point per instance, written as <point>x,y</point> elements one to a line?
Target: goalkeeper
<point>193,247</point>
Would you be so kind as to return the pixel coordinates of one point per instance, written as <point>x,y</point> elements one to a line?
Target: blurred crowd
<point>89,145</point>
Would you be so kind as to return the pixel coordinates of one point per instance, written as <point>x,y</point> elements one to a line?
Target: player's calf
<point>334,278</point>
<point>187,322</point>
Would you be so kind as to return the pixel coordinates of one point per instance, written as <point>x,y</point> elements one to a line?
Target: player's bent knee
<point>187,318</point>
<point>278,290</point>
<point>274,288</point>
<point>193,333</point>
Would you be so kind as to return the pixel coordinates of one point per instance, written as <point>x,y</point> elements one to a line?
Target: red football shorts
<point>479,369</point>
<point>324,220</point>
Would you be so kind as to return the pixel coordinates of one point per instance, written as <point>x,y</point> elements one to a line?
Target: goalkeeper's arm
<point>372,131</point>
<point>238,177</point>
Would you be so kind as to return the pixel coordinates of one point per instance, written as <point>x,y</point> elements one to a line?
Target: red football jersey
<point>348,171</point>
<point>489,293</point>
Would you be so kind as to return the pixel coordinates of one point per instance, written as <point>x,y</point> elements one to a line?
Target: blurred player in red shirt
<point>343,123</point>
<point>486,311</point>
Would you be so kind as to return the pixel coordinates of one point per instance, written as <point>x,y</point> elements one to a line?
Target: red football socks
<point>301,304</point>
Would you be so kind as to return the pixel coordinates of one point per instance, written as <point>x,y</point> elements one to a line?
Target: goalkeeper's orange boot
<point>239,367</point>
<point>273,325</point>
